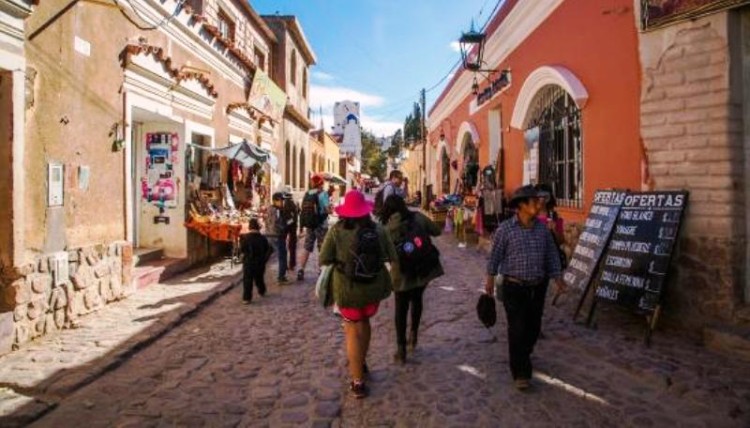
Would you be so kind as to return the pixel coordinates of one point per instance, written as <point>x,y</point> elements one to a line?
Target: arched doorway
<point>302,172</point>
<point>287,164</point>
<point>554,131</point>
<point>293,166</point>
<point>470,167</point>
<point>445,170</point>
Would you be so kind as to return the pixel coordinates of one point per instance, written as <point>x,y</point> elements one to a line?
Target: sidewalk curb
<point>42,403</point>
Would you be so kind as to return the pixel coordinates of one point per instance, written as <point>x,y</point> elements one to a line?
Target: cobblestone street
<point>280,362</point>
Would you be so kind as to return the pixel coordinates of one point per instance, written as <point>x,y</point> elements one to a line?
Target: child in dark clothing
<point>257,251</point>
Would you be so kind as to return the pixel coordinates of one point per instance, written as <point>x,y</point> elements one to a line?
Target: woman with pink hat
<point>359,249</point>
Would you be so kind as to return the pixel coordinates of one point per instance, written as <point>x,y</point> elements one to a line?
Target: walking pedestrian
<point>290,215</point>
<point>524,252</point>
<point>314,218</point>
<point>548,214</point>
<point>391,187</point>
<point>419,263</point>
<point>359,248</point>
<point>277,228</point>
<point>256,251</point>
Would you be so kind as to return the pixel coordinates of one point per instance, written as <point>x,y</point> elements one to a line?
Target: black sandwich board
<point>635,264</point>
<point>593,241</point>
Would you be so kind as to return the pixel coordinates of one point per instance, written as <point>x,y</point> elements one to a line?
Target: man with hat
<point>316,207</point>
<point>524,252</point>
<point>276,227</point>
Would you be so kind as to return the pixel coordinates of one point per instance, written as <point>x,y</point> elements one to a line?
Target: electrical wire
<point>149,27</point>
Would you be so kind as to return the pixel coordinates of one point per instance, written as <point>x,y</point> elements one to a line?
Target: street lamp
<point>471,44</point>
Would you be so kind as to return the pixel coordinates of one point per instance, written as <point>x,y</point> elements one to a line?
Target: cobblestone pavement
<point>280,362</point>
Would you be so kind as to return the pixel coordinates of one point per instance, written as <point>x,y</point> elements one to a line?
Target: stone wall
<point>97,275</point>
<point>691,122</point>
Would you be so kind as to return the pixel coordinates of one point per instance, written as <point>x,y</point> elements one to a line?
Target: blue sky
<point>379,52</point>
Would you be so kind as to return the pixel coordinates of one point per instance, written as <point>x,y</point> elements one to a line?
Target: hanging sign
<point>657,13</point>
<point>267,97</point>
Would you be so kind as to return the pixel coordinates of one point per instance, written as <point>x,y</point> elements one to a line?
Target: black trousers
<point>252,274</point>
<point>524,306</point>
<point>292,249</point>
<point>404,299</point>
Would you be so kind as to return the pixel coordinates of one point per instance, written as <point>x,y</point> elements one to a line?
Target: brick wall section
<point>692,131</point>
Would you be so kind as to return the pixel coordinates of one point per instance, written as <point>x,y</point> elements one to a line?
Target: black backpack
<point>310,211</point>
<point>365,261</point>
<point>417,255</point>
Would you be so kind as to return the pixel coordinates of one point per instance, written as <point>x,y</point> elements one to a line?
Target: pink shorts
<point>359,314</point>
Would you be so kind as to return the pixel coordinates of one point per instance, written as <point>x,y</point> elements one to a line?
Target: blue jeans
<point>282,255</point>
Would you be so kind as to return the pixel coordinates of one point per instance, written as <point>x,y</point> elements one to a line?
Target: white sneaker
<point>461,245</point>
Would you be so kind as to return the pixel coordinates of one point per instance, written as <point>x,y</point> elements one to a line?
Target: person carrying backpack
<point>358,248</point>
<point>313,218</point>
<point>391,187</point>
<point>419,263</point>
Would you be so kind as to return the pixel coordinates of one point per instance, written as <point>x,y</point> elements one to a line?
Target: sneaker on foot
<point>358,389</point>
<point>283,280</point>
<point>522,384</point>
<point>400,356</point>
<point>300,275</point>
<point>246,302</point>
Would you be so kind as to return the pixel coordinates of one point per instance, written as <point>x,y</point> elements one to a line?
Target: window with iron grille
<point>558,119</point>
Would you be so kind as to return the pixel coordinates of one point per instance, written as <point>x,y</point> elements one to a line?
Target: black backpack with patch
<point>365,261</point>
<point>417,255</point>
<point>310,210</point>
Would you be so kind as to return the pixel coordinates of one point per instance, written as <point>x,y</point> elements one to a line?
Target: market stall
<point>227,187</point>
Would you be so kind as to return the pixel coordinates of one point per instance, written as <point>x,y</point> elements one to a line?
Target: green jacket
<point>396,228</point>
<point>346,293</point>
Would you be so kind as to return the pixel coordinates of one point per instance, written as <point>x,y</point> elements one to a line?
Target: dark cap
<point>278,196</point>
<point>253,224</point>
<point>523,193</point>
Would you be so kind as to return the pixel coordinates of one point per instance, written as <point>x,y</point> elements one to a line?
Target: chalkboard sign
<point>593,239</point>
<point>635,265</point>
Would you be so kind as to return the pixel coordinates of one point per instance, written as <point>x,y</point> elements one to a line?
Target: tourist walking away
<point>277,228</point>
<point>391,187</point>
<point>525,253</point>
<point>256,251</point>
<point>419,263</point>
<point>314,219</point>
<point>290,215</point>
<point>358,248</point>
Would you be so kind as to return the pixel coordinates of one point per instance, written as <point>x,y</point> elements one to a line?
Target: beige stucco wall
<point>692,129</point>
<point>332,154</point>
<point>78,100</point>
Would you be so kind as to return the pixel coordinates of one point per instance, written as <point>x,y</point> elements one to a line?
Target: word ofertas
<point>655,201</point>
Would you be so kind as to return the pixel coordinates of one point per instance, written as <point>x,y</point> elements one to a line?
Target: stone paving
<point>280,362</point>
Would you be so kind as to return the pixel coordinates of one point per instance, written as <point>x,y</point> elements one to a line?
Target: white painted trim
<point>523,20</point>
<point>541,77</point>
<point>18,169</point>
<point>466,128</point>
<point>189,38</point>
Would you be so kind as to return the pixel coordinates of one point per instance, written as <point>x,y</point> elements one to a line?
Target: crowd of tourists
<point>380,248</point>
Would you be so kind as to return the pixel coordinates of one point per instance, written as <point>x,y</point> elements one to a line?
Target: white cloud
<point>379,127</point>
<point>322,76</point>
<point>455,46</point>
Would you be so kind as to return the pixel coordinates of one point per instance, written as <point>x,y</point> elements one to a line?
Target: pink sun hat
<point>355,205</point>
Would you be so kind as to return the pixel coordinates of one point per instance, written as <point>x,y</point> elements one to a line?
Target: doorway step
<point>152,267</point>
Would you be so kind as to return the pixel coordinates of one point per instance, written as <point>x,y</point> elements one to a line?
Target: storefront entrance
<point>156,191</point>
<point>470,170</point>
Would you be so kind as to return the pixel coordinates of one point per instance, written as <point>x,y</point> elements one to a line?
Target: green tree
<point>373,157</point>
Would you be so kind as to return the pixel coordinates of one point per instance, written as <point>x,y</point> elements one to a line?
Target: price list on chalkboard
<point>636,262</point>
<point>594,238</point>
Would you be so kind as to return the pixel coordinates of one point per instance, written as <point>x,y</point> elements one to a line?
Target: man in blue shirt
<point>524,252</point>
<point>318,232</point>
